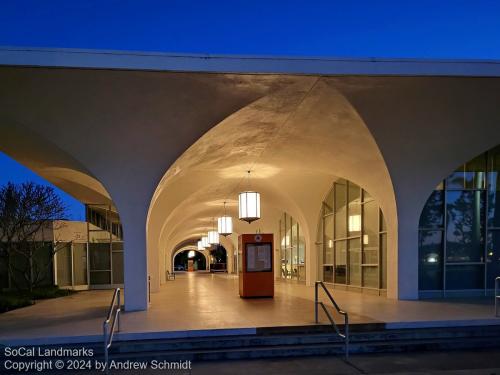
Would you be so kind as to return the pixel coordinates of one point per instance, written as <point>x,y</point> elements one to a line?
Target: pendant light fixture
<point>204,242</point>
<point>213,235</point>
<point>200,245</point>
<point>249,205</point>
<point>225,224</point>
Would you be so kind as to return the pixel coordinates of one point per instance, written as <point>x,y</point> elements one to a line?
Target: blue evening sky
<point>464,29</point>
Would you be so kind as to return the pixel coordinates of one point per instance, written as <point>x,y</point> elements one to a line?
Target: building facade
<point>177,135</point>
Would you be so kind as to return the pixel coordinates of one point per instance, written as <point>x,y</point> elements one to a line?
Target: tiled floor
<point>208,301</point>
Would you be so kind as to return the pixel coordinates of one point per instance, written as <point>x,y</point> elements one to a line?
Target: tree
<point>26,211</point>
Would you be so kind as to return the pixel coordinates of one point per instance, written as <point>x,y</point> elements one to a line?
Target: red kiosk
<point>255,264</point>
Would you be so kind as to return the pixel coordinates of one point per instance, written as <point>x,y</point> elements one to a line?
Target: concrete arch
<point>188,248</point>
<point>424,127</point>
<point>296,141</point>
<point>42,156</point>
<point>127,127</point>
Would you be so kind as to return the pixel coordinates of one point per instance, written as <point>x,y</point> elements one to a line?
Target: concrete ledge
<point>443,323</point>
<point>135,60</point>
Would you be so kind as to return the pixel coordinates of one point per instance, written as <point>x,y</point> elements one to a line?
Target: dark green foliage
<point>10,300</point>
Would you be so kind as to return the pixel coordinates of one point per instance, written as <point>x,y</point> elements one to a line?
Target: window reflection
<point>465,226</point>
<point>293,248</point>
<point>455,223</point>
<point>354,238</point>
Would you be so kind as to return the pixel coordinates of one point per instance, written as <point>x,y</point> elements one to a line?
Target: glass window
<point>352,238</point>
<point>328,203</point>
<point>494,188</point>
<point>100,277</point>
<point>493,258</point>
<point>432,214</point>
<point>370,233</point>
<point>467,262</point>
<point>354,262</point>
<point>471,175</point>
<point>292,248</point>
<point>328,274</point>
<point>370,276</point>
<point>328,240</point>
<point>80,263</point>
<point>99,254</point>
<point>340,209</point>
<point>64,264</point>
<point>461,277</point>
<point>340,262</point>
<point>383,263</point>
<point>117,259</point>
<point>354,207</point>
<point>464,228</point>
<point>430,244</point>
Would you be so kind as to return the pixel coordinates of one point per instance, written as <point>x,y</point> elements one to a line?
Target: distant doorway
<point>190,261</point>
<point>218,259</point>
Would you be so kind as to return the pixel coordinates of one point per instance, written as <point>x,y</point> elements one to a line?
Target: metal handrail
<point>345,335</point>
<point>497,296</point>
<point>113,317</point>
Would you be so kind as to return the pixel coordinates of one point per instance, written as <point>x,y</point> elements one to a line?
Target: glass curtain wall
<point>354,238</point>
<point>459,230</point>
<point>292,249</point>
<point>97,263</point>
<point>105,246</point>
<point>71,259</point>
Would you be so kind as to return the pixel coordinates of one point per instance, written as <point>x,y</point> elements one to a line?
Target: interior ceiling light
<point>204,242</point>
<point>225,224</point>
<point>249,205</point>
<point>213,235</point>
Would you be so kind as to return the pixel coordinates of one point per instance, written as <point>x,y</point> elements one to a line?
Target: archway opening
<point>295,142</point>
<point>190,261</point>
<point>459,231</point>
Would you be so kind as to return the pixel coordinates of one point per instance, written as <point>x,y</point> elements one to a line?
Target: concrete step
<point>252,352</point>
<point>294,341</point>
<point>243,341</point>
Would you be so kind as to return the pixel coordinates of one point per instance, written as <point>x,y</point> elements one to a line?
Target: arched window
<point>354,239</point>
<point>292,249</point>
<point>459,231</point>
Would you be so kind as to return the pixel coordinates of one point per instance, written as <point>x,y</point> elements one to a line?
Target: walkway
<point>199,302</point>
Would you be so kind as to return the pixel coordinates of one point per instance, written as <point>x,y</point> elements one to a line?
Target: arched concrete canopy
<point>128,127</point>
<point>295,141</point>
<point>36,152</point>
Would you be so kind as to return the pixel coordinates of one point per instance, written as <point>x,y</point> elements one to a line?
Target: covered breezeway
<point>208,304</point>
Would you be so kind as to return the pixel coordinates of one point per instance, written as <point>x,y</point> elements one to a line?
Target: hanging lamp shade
<point>213,237</point>
<point>225,225</point>
<point>200,245</point>
<point>204,242</point>
<point>249,206</point>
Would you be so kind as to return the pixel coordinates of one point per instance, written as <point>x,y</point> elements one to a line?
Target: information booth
<point>255,265</point>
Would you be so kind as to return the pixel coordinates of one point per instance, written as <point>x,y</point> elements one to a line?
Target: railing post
<point>497,297</point>
<point>316,302</point>
<point>149,289</point>
<point>105,334</point>
<point>119,309</point>
<point>346,333</point>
